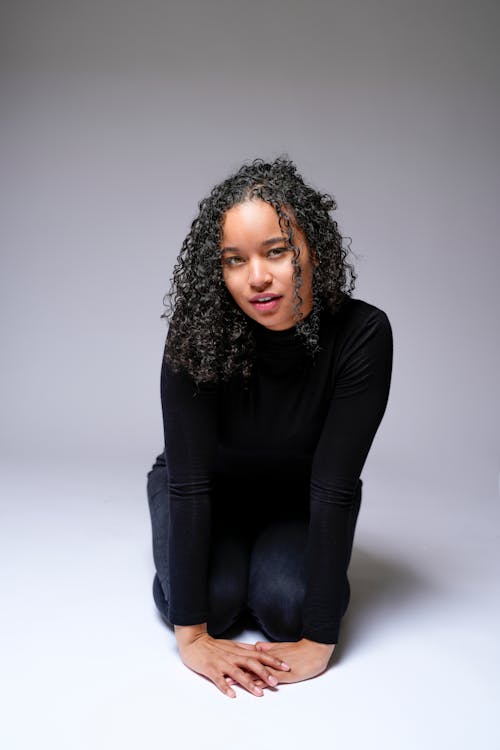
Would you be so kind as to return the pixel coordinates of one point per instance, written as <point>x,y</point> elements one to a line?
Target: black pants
<point>255,575</point>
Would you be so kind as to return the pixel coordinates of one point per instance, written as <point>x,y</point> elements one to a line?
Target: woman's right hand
<point>227,662</point>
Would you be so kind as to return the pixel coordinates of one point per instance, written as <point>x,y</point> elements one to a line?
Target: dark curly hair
<point>209,336</point>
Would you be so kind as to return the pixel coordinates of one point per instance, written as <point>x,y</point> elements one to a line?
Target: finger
<point>257,681</point>
<point>223,686</point>
<point>260,683</point>
<point>241,644</point>
<point>264,645</point>
<point>225,642</point>
<point>243,679</point>
<point>260,671</point>
<point>232,646</point>
<point>228,647</point>
<point>273,661</point>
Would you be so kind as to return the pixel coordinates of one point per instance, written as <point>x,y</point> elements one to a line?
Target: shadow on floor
<point>381,587</point>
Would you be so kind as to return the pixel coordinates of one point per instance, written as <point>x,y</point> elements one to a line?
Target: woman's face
<point>257,265</point>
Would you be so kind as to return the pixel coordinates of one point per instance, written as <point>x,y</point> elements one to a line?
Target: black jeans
<point>255,575</point>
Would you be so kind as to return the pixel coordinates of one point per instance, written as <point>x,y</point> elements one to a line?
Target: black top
<point>297,437</point>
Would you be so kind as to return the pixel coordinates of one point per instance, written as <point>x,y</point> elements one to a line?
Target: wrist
<point>185,634</point>
<point>323,649</point>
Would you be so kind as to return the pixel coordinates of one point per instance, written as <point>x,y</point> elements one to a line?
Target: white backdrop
<point>117,118</point>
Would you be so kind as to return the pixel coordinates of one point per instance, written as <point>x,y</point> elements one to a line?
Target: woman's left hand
<point>306,658</point>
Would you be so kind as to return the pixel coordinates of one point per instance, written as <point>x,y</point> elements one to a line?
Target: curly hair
<point>209,336</point>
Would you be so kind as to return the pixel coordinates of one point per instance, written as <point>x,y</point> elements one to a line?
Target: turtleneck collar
<point>285,347</point>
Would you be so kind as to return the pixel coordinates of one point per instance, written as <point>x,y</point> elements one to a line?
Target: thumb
<point>263,645</point>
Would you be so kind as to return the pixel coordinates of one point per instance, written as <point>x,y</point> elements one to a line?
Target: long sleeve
<point>355,411</point>
<point>189,420</point>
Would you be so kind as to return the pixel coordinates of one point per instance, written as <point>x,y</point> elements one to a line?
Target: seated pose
<point>274,381</point>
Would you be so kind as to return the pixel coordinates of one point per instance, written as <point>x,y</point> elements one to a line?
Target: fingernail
<point>272,680</point>
<point>284,665</point>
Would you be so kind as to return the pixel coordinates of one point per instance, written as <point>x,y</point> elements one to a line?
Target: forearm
<point>188,549</point>
<point>330,540</point>
<point>190,428</point>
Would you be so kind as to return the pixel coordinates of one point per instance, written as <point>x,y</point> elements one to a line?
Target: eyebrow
<point>265,243</point>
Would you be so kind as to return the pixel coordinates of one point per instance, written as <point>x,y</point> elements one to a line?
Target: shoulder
<point>180,383</point>
<point>356,314</point>
<point>357,331</point>
<point>355,318</point>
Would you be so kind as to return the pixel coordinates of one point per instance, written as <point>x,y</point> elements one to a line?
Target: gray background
<point>116,119</point>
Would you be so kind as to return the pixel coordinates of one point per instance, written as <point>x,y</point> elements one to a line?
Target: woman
<point>274,381</point>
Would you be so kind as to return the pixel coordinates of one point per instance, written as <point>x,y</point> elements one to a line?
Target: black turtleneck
<point>294,440</point>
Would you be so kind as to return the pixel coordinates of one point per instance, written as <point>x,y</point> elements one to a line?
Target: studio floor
<point>88,663</point>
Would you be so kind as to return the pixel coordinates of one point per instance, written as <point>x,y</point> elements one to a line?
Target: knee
<point>277,580</point>
<point>227,584</point>
<point>276,603</point>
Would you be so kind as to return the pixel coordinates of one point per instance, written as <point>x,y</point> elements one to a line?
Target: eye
<point>232,260</point>
<point>277,251</point>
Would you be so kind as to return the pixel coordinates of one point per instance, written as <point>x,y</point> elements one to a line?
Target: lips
<point>265,302</point>
<point>265,297</point>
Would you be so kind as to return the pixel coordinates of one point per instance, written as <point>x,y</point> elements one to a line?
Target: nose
<point>259,275</point>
